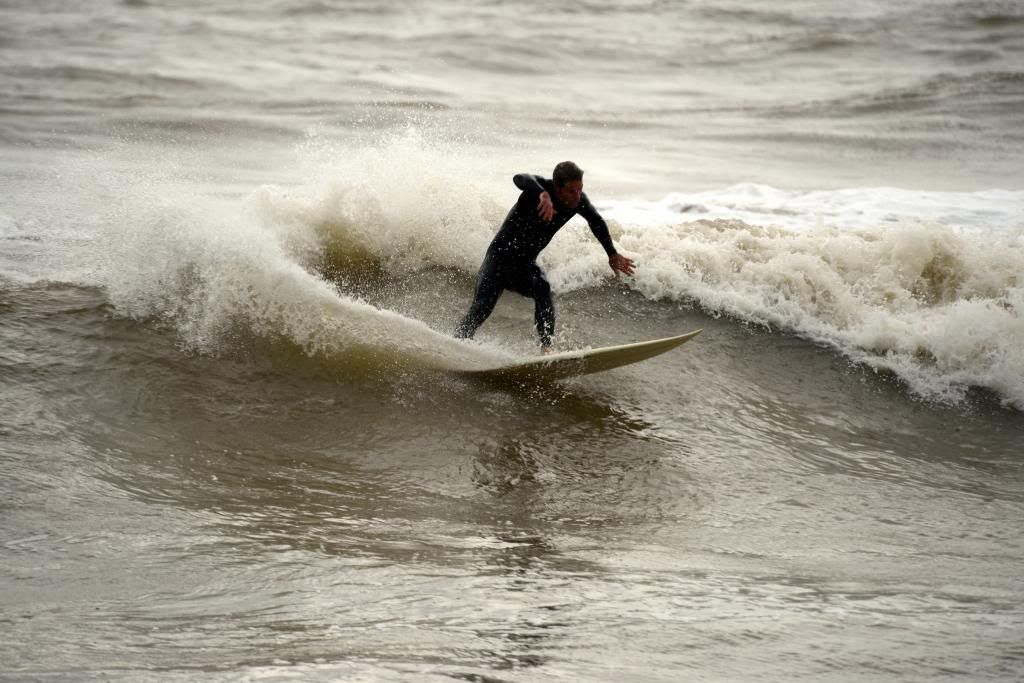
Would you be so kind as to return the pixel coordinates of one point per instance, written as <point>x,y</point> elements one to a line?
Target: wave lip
<point>221,276</point>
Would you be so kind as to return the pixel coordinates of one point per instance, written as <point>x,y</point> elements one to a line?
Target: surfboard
<point>567,364</point>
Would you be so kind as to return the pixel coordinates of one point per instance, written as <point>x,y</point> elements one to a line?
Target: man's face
<point>570,193</point>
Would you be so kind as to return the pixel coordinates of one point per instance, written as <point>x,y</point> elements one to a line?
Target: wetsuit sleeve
<point>597,225</point>
<point>528,183</point>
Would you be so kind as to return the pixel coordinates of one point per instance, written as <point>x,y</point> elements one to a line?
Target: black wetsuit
<point>510,262</point>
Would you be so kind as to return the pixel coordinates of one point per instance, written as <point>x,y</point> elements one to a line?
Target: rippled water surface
<point>235,237</point>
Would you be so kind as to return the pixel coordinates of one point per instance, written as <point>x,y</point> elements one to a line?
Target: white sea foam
<point>214,269</point>
<point>406,202</point>
<point>927,285</point>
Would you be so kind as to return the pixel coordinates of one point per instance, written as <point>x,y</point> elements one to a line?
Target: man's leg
<point>531,283</point>
<point>488,290</point>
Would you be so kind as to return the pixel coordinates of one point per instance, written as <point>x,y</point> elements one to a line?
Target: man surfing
<point>510,263</point>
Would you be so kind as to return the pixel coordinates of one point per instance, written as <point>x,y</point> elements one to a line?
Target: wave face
<point>926,285</point>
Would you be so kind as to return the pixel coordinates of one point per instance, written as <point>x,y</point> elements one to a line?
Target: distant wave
<point>76,73</point>
<point>943,91</point>
<point>302,8</point>
<point>985,14</point>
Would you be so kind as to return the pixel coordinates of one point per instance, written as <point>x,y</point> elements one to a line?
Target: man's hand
<point>621,264</point>
<point>545,209</point>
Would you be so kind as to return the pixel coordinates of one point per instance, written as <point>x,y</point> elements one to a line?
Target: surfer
<point>543,207</point>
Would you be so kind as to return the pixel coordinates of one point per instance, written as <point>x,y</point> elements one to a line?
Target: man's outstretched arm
<point>618,262</point>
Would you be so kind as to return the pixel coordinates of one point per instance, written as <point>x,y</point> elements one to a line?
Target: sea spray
<point>212,270</point>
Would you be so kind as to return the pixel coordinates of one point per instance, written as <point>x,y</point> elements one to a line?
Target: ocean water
<point>234,443</point>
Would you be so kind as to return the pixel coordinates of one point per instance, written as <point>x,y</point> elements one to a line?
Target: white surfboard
<point>581,362</point>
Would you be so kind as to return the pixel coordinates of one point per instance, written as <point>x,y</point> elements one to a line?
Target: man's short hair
<point>565,172</point>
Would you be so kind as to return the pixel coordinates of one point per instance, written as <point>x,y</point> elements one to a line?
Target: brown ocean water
<point>235,238</point>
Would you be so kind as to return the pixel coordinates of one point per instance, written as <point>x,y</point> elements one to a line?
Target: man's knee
<point>483,305</point>
<point>540,286</point>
